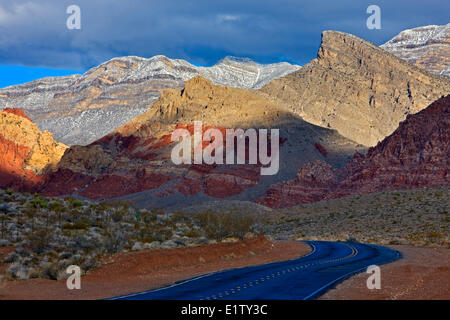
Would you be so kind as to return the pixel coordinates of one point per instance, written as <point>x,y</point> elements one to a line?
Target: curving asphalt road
<point>304,278</point>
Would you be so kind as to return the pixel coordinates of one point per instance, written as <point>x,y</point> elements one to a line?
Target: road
<point>304,278</point>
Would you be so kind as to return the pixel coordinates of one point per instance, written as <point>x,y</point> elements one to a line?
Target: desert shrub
<point>434,236</point>
<point>115,204</point>
<point>162,234</point>
<point>77,225</point>
<point>158,211</point>
<point>55,206</point>
<point>69,199</point>
<point>147,217</point>
<point>39,238</point>
<point>80,241</point>
<point>115,240</point>
<point>179,217</point>
<point>51,270</point>
<point>39,203</point>
<point>192,233</point>
<point>117,216</point>
<point>146,237</point>
<point>77,203</point>
<point>220,225</point>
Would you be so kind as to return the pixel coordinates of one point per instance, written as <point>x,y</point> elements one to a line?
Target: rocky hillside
<point>427,47</point>
<point>80,109</point>
<point>416,155</point>
<point>357,88</point>
<point>26,153</point>
<point>134,160</point>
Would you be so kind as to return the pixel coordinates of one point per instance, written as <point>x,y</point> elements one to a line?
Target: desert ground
<point>131,272</point>
<point>423,273</point>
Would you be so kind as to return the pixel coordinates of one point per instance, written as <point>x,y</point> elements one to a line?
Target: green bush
<point>77,203</point>
<point>39,203</point>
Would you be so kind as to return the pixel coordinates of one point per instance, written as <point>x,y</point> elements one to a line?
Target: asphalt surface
<point>304,278</point>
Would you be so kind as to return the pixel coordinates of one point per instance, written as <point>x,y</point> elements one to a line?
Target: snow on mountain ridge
<point>419,36</point>
<point>79,109</point>
<point>230,71</point>
<point>427,47</point>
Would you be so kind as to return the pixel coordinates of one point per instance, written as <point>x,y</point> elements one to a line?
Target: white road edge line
<point>334,281</point>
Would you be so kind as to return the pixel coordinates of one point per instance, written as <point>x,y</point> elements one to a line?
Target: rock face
<point>27,154</point>
<point>134,161</point>
<point>80,109</point>
<point>357,88</point>
<point>427,47</point>
<point>416,155</point>
<point>17,112</point>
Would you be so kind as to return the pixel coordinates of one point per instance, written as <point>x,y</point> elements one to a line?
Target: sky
<point>35,41</point>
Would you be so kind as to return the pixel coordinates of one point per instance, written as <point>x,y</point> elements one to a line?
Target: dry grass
<point>417,217</point>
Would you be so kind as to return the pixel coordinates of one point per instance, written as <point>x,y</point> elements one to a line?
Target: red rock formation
<point>17,112</point>
<point>416,155</point>
<point>64,181</point>
<point>118,165</point>
<point>314,181</point>
<point>12,163</point>
<point>26,154</point>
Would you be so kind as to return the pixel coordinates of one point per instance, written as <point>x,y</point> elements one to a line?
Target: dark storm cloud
<point>34,33</point>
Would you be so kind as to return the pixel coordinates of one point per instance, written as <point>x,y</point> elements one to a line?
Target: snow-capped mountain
<point>230,71</point>
<point>79,109</point>
<point>427,47</point>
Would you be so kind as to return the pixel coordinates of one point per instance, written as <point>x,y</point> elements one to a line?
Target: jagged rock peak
<point>357,88</point>
<point>197,81</point>
<point>336,45</point>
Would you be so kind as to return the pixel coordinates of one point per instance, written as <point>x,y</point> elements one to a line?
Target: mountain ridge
<point>427,47</point>
<point>79,109</point>
<point>357,88</point>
